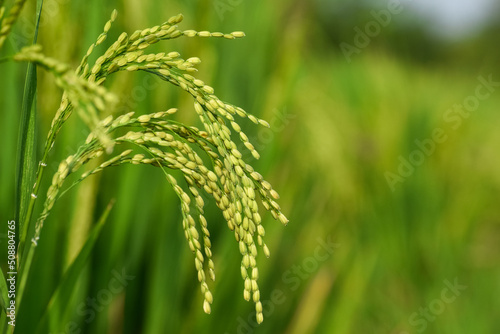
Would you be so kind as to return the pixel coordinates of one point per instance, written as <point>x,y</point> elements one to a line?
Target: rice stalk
<point>160,142</point>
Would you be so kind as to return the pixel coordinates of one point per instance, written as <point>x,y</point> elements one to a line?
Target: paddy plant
<point>199,163</point>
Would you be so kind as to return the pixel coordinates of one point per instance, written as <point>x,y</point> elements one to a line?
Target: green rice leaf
<point>58,301</point>
<point>26,160</point>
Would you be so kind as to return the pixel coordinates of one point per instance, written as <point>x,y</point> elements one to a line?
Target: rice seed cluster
<point>206,159</point>
<point>88,98</point>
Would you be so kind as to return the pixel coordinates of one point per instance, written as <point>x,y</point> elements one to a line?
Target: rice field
<point>387,170</point>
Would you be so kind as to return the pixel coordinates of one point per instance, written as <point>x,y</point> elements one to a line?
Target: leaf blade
<point>65,289</point>
<point>26,160</point>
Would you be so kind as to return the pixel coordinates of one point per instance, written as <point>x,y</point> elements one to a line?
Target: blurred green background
<point>393,229</point>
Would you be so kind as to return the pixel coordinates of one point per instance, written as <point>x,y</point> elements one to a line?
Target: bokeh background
<point>391,230</point>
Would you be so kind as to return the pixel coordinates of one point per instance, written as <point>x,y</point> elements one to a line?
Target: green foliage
<point>57,304</point>
<point>336,129</point>
<point>26,160</point>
